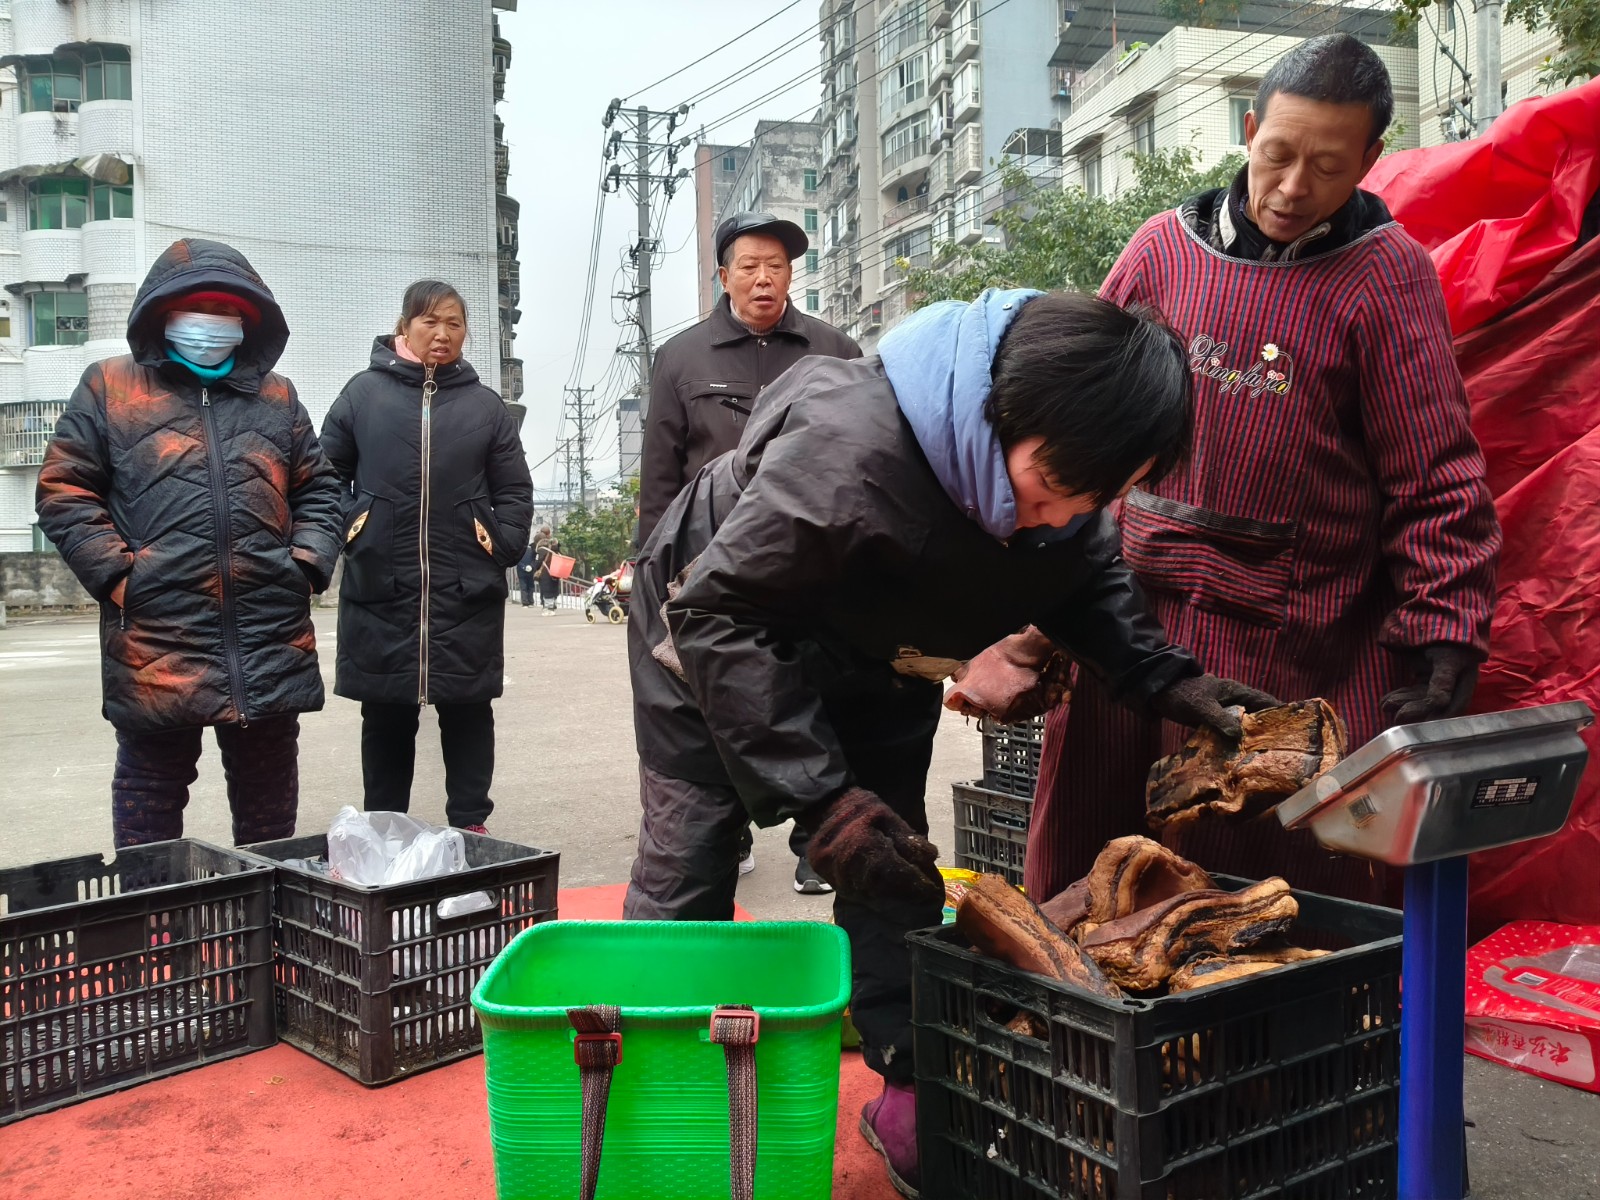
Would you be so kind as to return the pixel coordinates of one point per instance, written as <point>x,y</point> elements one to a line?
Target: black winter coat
<point>212,500</point>
<point>824,596</point>
<point>704,383</point>
<point>439,505</point>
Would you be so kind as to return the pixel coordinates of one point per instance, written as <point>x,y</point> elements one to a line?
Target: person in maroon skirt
<point>1332,533</point>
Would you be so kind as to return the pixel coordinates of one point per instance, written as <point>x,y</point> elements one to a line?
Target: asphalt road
<point>566,778</point>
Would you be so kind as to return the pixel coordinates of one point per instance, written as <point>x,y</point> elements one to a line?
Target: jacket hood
<point>939,361</point>
<point>384,358</point>
<point>196,265</point>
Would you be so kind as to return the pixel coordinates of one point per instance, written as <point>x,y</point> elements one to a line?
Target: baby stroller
<point>608,596</point>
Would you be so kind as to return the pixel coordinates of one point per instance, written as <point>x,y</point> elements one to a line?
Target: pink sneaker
<point>478,829</point>
<point>889,1124</point>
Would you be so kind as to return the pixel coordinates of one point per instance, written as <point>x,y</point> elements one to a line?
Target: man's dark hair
<point>1107,388</point>
<point>424,296</point>
<point>1335,69</point>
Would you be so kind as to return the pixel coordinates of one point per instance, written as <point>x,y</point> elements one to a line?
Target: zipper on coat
<point>428,389</point>
<point>219,511</point>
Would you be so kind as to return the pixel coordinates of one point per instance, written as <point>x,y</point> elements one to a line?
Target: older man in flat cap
<point>705,381</point>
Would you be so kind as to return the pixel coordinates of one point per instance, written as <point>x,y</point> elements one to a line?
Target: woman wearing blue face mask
<point>186,490</point>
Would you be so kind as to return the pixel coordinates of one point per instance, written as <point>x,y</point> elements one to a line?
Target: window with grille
<point>60,318</point>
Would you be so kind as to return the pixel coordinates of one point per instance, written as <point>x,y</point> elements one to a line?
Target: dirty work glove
<point>868,852</point>
<point>1207,700</point>
<point>1015,679</point>
<point>1444,677</point>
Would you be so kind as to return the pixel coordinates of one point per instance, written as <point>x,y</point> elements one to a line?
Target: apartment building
<point>778,172</point>
<point>1132,81</point>
<point>921,100</point>
<point>126,124</point>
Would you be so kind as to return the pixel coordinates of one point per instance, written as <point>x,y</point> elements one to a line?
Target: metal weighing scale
<point>1424,797</point>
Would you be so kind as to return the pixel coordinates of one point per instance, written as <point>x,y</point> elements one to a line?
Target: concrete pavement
<point>566,778</point>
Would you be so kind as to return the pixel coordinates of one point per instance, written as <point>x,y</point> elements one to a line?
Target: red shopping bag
<point>561,566</point>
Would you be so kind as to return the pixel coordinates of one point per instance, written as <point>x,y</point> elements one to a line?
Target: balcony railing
<point>511,379</point>
<point>502,167</point>
<point>905,210</point>
<point>499,86</point>
<point>25,430</point>
<point>1097,76</point>
<point>913,149</point>
<point>510,271</point>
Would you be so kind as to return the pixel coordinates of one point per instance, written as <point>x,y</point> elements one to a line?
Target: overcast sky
<point>568,62</point>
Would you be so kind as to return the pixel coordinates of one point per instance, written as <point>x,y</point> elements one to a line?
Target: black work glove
<point>1206,700</point>
<point>867,852</point>
<point>1444,677</point>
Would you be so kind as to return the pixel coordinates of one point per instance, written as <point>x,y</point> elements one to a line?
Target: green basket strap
<point>737,1035</point>
<point>596,1056</point>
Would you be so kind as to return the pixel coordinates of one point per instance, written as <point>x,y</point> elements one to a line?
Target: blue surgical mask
<point>204,338</point>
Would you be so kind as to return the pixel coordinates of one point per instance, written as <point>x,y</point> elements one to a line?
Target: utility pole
<point>581,421</point>
<point>1490,105</point>
<point>654,154</point>
<point>644,250</point>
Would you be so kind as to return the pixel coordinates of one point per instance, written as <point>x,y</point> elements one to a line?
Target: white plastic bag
<point>372,848</point>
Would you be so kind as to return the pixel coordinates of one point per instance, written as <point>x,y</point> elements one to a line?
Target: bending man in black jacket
<point>793,611</point>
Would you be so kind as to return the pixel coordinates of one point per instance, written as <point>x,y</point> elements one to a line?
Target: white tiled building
<point>293,130</point>
<point>1186,86</point>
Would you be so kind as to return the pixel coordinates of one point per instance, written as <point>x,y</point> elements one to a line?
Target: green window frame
<point>810,178</point>
<point>811,220</point>
<point>107,73</point>
<point>813,301</point>
<point>60,318</point>
<point>813,260</point>
<point>50,83</point>
<point>111,202</point>
<point>58,203</point>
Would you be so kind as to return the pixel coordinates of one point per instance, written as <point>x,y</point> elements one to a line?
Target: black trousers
<point>687,868</point>
<point>526,584</point>
<point>389,754</point>
<point>150,784</point>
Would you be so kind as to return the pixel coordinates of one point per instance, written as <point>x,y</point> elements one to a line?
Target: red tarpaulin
<point>1499,211</point>
<point>1501,217</point>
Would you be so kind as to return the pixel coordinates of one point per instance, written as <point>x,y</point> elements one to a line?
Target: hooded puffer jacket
<point>440,503</point>
<point>213,502</point>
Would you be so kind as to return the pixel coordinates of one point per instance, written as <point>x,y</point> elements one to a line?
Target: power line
<point>711,53</point>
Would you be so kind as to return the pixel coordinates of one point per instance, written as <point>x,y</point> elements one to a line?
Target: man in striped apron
<point>1332,534</point>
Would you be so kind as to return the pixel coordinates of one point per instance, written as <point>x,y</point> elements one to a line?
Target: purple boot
<point>889,1124</point>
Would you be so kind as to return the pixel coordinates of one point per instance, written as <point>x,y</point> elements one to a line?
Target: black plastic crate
<point>991,830</point>
<point>372,980</point>
<point>117,971</point>
<point>1281,1085</point>
<point>1011,756</point>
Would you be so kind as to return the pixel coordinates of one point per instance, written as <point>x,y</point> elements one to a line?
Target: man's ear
<point>1374,152</point>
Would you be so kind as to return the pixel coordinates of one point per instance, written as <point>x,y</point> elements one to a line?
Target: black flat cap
<point>791,235</point>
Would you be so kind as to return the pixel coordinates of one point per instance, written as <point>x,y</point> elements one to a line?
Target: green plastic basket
<point>667,1122</point>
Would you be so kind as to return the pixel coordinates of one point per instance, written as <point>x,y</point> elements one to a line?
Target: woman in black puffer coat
<point>439,501</point>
